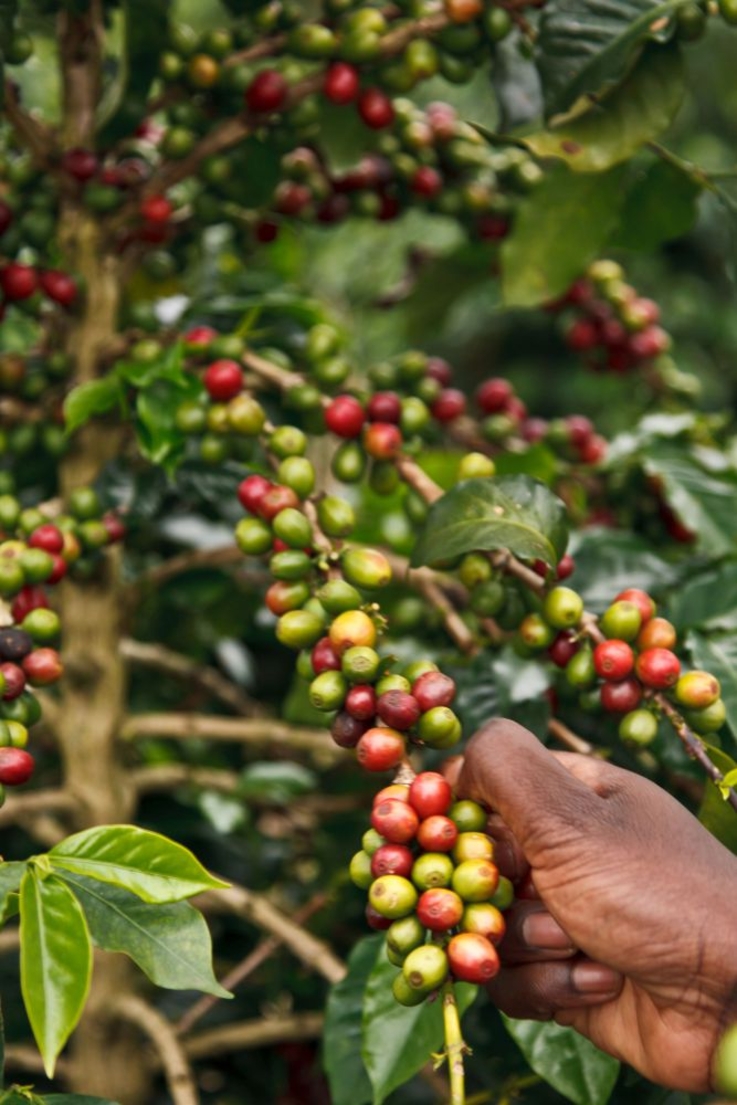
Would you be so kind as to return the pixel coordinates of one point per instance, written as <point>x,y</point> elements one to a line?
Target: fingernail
<point>540,930</point>
<point>595,978</point>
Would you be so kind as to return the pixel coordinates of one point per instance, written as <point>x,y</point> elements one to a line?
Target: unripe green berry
<point>392,896</point>
<point>290,565</point>
<point>413,671</point>
<point>371,840</point>
<point>622,620</point>
<point>299,628</point>
<point>709,719</point>
<point>405,935</point>
<point>638,727</point>
<point>349,462</point>
<point>475,880</point>
<point>292,527</point>
<point>473,465</point>
<point>253,536</point>
<point>392,682</point>
<point>487,598</point>
<point>336,516</point>
<point>360,664</point>
<point>439,727</point>
<point>503,896</point>
<point>432,869</point>
<point>562,608</point>
<point>404,993</point>
<point>426,968</point>
<point>359,870</point>
<point>366,568</point>
<point>468,816</point>
<point>580,671</point>
<point>297,473</point>
<point>338,597</point>
<point>328,691</point>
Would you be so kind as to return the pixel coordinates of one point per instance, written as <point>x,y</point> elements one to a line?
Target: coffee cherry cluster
<point>427,864</point>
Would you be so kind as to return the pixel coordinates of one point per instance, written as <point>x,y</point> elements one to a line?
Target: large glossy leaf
<point>398,1041</point>
<point>170,943</point>
<point>609,560</point>
<point>610,132</point>
<point>501,686</point>
<point>55,961</point>
<point>707,600</point>
<point>541,257</point>
<point>516,84</point>
<point>715,813</point>
<point>586,45</point>
<point>10,879</point>
<point>660,205</point>
<point>718,655</point>
<point>146,863</point>
<point>702,499</point>
<point>512,512</point>
<point>566,1060</point>
<point>342,1035</point>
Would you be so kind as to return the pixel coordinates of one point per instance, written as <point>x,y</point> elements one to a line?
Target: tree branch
<point>256,909</point>
<point>35,135</point>
<point>26,1057</point>
<point>173,663</point>
<point>570,739</point>
<point>179,1077</point>
<point>35,803</point>
<point>257,1033</point>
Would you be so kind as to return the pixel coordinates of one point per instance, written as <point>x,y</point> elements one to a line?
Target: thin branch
<point>267,732</point>
<point>9,940</point>
<point>225,557</point>
<point>35,135</point>
<point>168,661</point>
<point>43,828</point>
<point>256,909</point>
<point>570,739</point>
<point>179,1077</point>
<point>261,1032</point>
<point>35,803</point>
<point>694,745</point>
<point>434,588</point>
<point>25,1057</point>
<point>238,974</point>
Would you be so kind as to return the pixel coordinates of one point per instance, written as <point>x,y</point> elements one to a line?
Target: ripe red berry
<point>433,688</point>
<point>380,749</point>
<point>156,209</point>
<point>16,766</point>
<point>251,491</point>
<point>641,599</point>
<point>376,920</point>
<point>199,337</point>
<point>658,667</point>
<point>15,680</point>
<point>566,567</point>
<point>439,369</point>
<point>426,181</point>
<point>449,405</point>
<point>324,657</point>
<point>382,440</point>
<point>79,163</point>
<point>579,429</point>
<point>564,648</point>
<point>400,791</point>
<point>472,958</point>
<point>116,528</point>
<point>28,598</point>
<point>360,702</point>
<point>291,197</point>
<point>620,698</point>
<point>48,538</point>
<point>265,231</point>
<point>346,731</point>
<point>430,793</point>
<point>375,108</point>
<point>649,343</point>
<point>582,334</point>
<point>397,821</point>
<point>613,659</point>
<point>59,570</point>
<point>392,859</point>
<point>494,395</point>
<point>223,380</point>
<point>59,287</point>
<point>594,450</point>
<point>384,406</point>
<point>276,499</point>
<point>341,83</point>
<point>43,666</point>
<point>398,709</point>
<point>18,281</point>
<point>345,416</point>
<point>439,909</point>
<point>437,833</point>
<point>267,91</point>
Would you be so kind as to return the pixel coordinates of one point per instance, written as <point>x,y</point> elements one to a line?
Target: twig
<point>25,1057</point>
<point>256,1033</point>
<point>268,732</point>
<point>182,667</point>
<point>694,745</point>
<point>570,739</point>
<point>35,135</point>
<point>246,967</point>
<point>179,1077</point>
<point>253,907</point>
<point>225,557</point>
<point>34,803</point>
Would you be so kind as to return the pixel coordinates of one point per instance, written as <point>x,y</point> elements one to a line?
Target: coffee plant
<point>276,537</point>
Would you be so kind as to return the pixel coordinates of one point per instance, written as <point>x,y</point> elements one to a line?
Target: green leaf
<point>516,83</point>
<point>501,686</point>
<point>610,132</point>
<point>87,400</point>
<point>566,1060</point>
<point>541,257</point>
<point>145,33</point>
<point>707,600</point>
<point>703,499</point>
<point>55,961</point>
<point>584,46</point>
<point>511,512</point>
<point>662,204</point>
<point>718,654</point>
<point>170,943</point>
<point>11,875</point>
<point>538,461</point>
<point>342,1034</point>
<point>146,863</point>
<point>276,782</point>
<point>609,560</point>
<point>715,813</point>
<point>398,1041</point>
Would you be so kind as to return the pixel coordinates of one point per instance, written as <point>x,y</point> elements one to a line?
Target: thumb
<point>507,769</point>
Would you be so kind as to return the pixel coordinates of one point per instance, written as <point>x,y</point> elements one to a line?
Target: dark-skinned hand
<point>628,930</point>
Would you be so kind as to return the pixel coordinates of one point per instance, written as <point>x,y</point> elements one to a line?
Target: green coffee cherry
<point>562,608</point>
<point>621,620</point>
<point>291,526</point>
<point>468,816</point>
<point>392,896</point>
<point>432,869</point>
<point>253,536</point>
<point>299,628</point>
<point>371,840</point>
<point>349,462</point>
<point>288,441</point>
<point>404,993</point>
<point>359,870</point>
<point>337,596</point>
<point>439,727</point>
<point>366,568</point>
<point>290,565</point>
<point>392,682</point>
<point>580,671</point>
<point>405,935</point>
<point>360,664</point>
<point>328,691</point>
<point>336,517</point>
<point>425,968</point>
<point>297,473</point>
<point>638,727</point>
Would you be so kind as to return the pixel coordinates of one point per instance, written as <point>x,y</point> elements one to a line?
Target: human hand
<point>631,937</point>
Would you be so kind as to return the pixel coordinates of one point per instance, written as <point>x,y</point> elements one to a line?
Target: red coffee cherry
<point>392,859</point>
<point>199,337</point>
<point>439,909</point>
<point>641,599</point>
<point>79,163</point>
<point>360,701</point>
<point>400,791</point>
<point>620,698</point>
<point>345,416</point>
<point>251,491</point>
<point>429,794</point>
<point>42,667</point>
<point>380,749</point>
<point>382,440</point>
<point>437,833</point>
<point>449,405</point>
<point>223,380</point>
<point>384,406</point>
<point>657,633</point>
<point>427,182</point>
<point>583,334</point>
<point>433,689</point>
<point>564,648</point>
<point>395,820</point>
<point>18,281</point>
<point>16,766</point>
<point>472,958</point>
<point>276,499</point>
<point>15,681</point>
<point>485,919</point>
<point>566,567</point>
<point>494,395</point>
<point>346,731</point>
<point>59,287</point>
<point>375,108</point>
<point>324,657</point>
<point>613,659</point>
<point>48,538</point>
<point>376,920</point>
<point>341,83</point>
<point>156,209</point>
<point>398,709</point>
<point>658,668</point>
<point>266,92</point>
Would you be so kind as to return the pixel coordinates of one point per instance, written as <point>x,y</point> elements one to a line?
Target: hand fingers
<point>533,934</point>
<point>539,991</point>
